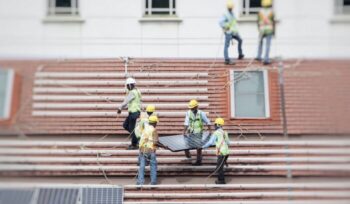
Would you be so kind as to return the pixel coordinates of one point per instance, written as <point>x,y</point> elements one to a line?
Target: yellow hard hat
<point>150,108</point>
<point>230,4</point>
<point>266,3</point>
<point>219,121</point>
<point>153,119</point>
<point>193,103</point>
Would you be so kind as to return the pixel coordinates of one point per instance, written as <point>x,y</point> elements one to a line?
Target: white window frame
<point>70,11</point>
<point>8,96</point>
<point>149,11</point>
<point>266,95</point>
<point>246,10</point>
<point>341,9</point>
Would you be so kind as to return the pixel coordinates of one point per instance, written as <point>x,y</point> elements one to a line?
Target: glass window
<point>162,7</point>
<point>342,6</point>
<point>63,7</point>
<point>251,7</point>
<point>6,83</point>
<point>249,94</point>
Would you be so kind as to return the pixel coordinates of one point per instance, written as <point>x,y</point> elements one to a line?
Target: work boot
<point>229,62</point>
<point>240,57</point>
<point>132,147</point>
<point>258,59</point>
<point>198,163</point>
<point>267,62</point>
<point>220,182</point>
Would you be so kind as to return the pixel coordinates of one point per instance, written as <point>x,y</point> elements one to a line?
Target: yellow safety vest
<point>220,143</point>
<point>231,23</point>
<point>146,142</point>
<point>135,104</point>
<point>195,122</point>
<point>265,21</point>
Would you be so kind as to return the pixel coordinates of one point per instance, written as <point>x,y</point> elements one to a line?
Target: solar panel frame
<point>177,143</point>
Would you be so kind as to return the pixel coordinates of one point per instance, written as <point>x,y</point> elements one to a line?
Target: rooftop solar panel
<point>16,196</point>
<point>51,194</point>
<point>58,196</point>
<point>113,195</point>
<point>178,143</point>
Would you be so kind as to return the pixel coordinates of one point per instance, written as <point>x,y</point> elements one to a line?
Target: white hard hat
<point>130,81</point>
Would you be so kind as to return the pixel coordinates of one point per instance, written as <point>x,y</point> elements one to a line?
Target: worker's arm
<point>126,101</point>
<point>224,22</point>
<point>273,24</point>
<point>210,142</point>
<point>155,138</point>
<point>186,123</point>
<point>206,120</point>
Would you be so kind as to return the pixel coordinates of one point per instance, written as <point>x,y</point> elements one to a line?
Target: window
<point>249,94</point>
<point>343,6</point>
<point>6,86</point>
<point>160,7</point>
<point>63,7</point>
<point>251,7</point>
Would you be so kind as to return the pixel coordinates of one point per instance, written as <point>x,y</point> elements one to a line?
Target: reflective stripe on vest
<point>265,21</point>
<point>232,23</point>
<point>195,122</point>
<point>135,104</point>
<point>221,145</point>
<point>146,141</point>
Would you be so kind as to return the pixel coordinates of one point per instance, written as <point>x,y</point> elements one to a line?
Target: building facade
<point>162,28</point>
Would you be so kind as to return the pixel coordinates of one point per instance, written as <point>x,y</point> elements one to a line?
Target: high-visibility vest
<point>135,104</point>
<point>231,23</point>
<point>146,142</point>
<point>265,21</point>
<point>220,143</point>
<point>195,122</point>
<point>141,122</point>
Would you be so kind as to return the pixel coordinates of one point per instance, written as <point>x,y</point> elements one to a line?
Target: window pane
<point>249,94</point>
<point>3,87</point>
<point>160,4</point>
<point>255,3</point>
<point>63,3</point>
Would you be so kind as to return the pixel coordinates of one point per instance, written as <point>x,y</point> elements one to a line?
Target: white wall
<point>112,28</point>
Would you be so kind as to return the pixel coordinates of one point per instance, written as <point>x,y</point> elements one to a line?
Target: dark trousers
<point>129,125</point>
<point>220,168</point>
<point>199,155</point>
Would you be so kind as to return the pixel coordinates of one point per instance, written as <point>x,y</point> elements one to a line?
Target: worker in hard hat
<point>229,25</point>
<point>194,122</point>
<point>222,142</point>
<point>266,26</point>
<point>147,153</point>
<point>133,103</point>
<point>143,120</point>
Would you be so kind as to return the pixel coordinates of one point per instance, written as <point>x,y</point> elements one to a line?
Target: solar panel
<point>113,195</point>
<point>51,194</point>
<point>178,143</point>
<point>16,196</point>
<point>58,196</point>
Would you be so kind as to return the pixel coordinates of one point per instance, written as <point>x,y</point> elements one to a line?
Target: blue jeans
<point>145,158</point>
<point>228,38</point>
<point>267,48</point>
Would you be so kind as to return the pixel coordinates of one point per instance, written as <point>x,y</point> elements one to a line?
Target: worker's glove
<point>119,111</point>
